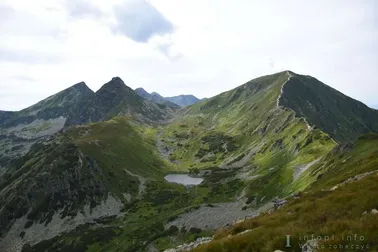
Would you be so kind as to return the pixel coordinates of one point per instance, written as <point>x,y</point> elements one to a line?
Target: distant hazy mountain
<point>155,97</point>
<point>181,100</point>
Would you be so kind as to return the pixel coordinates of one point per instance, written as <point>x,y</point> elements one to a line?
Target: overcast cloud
<point>82,8</point>
<point>200,47</point>
<point>139,21</point>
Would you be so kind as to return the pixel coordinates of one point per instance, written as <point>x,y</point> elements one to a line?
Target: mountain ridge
<point>324,104</point>
<point>80,97</point>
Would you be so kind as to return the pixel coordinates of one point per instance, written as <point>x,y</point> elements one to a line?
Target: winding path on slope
<point>142,182</point>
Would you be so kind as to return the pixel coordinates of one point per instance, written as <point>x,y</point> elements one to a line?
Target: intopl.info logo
<point>353,242</point>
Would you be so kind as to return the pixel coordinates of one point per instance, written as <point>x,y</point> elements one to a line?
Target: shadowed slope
<point>67,103</point>
<point>326,108</point>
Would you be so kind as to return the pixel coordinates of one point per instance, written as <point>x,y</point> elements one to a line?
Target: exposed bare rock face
<point>64,185</point>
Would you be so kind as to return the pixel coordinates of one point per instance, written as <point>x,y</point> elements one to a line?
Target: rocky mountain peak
<point>142,92</point>
<point>118,79</point>
<point>157,95</point>
<point>116,86</point>
<point>82,87</point>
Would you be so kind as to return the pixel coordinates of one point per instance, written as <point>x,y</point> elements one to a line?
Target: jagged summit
<point>289,71</point>
<point>117,81</point>
<point>81,85</point>
<point>116,78</point>
<point>82,88</point>
<point>116,84</point>
<point>63,100</point>
<point>157,94</point>
<point>142,92</point>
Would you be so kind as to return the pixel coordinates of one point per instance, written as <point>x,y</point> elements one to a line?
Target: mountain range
<point>180,100</point>
<point>79,104</point>
<point>283,154</point>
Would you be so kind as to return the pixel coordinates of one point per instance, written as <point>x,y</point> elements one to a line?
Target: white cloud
<point>198,47</point>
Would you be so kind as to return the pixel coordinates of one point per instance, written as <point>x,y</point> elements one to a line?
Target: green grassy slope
<point>342,212</point>
<point>317,211</point>
<point>346,161</point>
<point>277,125</point>
<point>93,161</point>
<point>80,166</point>
<point>245,127</point>
<point>120,144</point>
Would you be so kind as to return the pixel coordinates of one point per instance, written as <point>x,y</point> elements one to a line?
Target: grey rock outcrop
<point>190,246</point>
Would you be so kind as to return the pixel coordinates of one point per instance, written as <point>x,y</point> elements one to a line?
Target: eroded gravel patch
<point>220,215</point>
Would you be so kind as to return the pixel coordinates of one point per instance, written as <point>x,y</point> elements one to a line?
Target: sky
<point>200,47</point>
